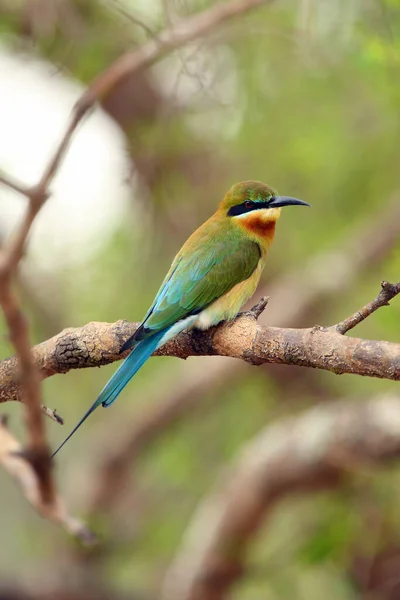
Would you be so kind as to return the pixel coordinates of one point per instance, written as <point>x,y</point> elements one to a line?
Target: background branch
<point>13,460</point>
<point>302,454</point>
<point>186,30</point>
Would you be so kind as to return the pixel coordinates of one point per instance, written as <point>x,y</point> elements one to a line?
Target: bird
<point>214,273</point>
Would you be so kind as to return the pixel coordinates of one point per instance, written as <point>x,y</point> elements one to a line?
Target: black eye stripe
<point>247,206</point>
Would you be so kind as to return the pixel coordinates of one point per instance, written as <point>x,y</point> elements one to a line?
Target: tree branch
<point>97,344</point>
<point>14,185</point>
<point>387,293</point>
<point>38,451</point>
<point>15,462</point>
<point>301,454</point>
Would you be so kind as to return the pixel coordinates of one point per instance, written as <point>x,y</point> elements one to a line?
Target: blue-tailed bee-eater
<point>214,273</point>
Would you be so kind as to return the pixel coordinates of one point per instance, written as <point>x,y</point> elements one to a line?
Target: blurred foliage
<point>305,96</point>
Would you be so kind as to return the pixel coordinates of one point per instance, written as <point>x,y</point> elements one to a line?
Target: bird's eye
<point>248,204</point>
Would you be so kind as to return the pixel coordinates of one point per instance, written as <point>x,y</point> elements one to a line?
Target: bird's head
<point>255,206</point>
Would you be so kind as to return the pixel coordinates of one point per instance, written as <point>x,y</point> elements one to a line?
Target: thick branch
<point>301,454</point>
<point>98,344</point>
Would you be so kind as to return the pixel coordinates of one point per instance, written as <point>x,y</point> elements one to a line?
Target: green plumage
<point>212,261</point>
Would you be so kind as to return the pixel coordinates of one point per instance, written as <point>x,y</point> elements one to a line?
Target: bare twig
<point>120,8</point>
<point>257,310</point>
<point>302,454</point>
<point>14,185</point>
<point>52,414</point>
<point>387,293</point>
<point>14,461</point>
<point>37,196</point>
<point>78,114</point>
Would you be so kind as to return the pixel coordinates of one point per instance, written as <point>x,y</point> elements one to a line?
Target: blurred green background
<point>304,95</point>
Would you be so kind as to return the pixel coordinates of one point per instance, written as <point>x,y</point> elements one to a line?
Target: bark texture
<point>97,344</point>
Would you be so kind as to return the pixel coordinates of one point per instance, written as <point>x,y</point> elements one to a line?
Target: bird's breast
<point>228,305</point>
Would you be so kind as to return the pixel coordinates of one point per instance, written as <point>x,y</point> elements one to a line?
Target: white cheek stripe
<point>264,212</point>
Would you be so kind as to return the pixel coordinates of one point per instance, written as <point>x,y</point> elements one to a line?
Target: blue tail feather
<point>131,365</point>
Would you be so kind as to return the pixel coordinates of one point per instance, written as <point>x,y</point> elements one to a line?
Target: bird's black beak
<point>285,201</point>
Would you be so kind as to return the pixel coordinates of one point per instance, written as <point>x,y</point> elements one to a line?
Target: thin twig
<point>184,31</point>
<point>52,414</point>
<point>14,185</point>
<point>387,293</point>
<point>79,112</point>
<point>120,8</point>
<point>257,310</point>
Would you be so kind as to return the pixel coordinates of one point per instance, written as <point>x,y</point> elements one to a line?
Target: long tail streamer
<point>131,365</point>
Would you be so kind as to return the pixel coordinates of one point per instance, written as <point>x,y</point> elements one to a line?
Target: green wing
<point>203,271</point>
